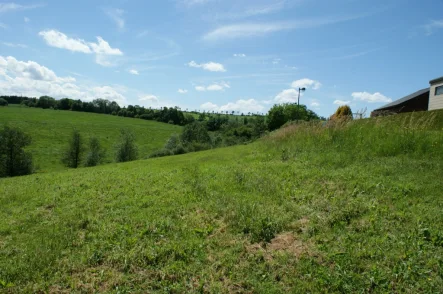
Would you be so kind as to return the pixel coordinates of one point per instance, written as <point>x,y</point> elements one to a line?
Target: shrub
<point>3,102</point>
<point>343,112</point>
<point>195,132</point>
<point>96,153</point>
<point>126,148</point>
<point>14,161</point>
<point>72,155</point>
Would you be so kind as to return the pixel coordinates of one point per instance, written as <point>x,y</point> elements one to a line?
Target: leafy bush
<point>73,154</point>
<point>14,161</point>
<point>3,102</point>
<point>126,148</point>
<point>96,153</point>
<point>195,132</point>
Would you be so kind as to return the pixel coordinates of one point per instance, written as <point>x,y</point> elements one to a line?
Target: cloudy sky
<point>241,55</point>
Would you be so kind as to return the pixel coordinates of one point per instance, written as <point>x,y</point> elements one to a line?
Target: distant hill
<point>51,130</point>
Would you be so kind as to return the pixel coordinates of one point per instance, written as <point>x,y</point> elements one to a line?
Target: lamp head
<point>302,89</point>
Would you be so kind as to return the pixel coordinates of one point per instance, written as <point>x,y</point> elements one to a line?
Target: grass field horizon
<point>310,208</point>
<point>51,130</point>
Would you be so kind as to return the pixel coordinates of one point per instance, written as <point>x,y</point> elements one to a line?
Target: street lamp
<point>298,100</point>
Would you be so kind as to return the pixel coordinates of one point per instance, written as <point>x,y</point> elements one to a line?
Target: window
<point>439,90</point>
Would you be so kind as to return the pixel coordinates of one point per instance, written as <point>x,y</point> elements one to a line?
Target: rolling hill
<point>51,129</point>
<point>351,207</point>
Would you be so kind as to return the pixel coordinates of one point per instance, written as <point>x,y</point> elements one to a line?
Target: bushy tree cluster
<point>14,160</point>
<point>280,114</point>
<point>3,102</point>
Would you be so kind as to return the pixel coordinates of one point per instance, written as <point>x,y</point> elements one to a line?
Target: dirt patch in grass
<point>286,242</point>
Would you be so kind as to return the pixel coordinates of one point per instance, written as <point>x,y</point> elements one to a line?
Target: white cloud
<point>117,16</point>
<point>210,66</point>
<point>59,40</point>
<point>245,106</point>
<point>27,19</point>
<point>14,45</point>
<point>341,102</point>
<point>213,87</point>
<point>432,26</point>
<point>6,7</point>
<point>29,78</point>
<point>30,70</point>
<point>102,49</point>
<point>239,55</point>
<point>182,91</point>
<point>243,30</point>
<point>315,104</point>
<point>306,83</point>
<point>149,100</point>
<point>194,2</point>
<point>371,98</point>
<point>287,96</point>
<point>134,72</point>
<point>3,26</point>
<point>276,61</point>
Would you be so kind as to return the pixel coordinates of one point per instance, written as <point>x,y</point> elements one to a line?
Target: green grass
<point>51,130</point>
<point>349,208</point>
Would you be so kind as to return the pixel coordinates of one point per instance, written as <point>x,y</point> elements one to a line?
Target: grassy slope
<point>345,221</point>
<point>51,130</point>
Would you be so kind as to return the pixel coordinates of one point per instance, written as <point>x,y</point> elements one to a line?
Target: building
<point>436,94</point>
<point>422,100</point>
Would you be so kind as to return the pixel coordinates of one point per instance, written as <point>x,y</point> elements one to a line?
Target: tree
<point>3,102</point>
<point>46,102</point>
<point>342,113</point>
<point>95,154</point>
<point>276,117</point>
<point>126,148</point>
<point>14,161</point>
<point>195,132</point>
<point>73,154</point>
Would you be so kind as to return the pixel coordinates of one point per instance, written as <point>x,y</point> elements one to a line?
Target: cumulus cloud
<point>341,102</point>
<point>371,98</point>
<point>28,78</point>
<point>245,106</point>
<point>182,91</point>
<point>287,96</point>
<point>134,72</point>
<point>214,87</point>
<point>306,83</point>
<point>210,66</point>
<point>102,49</point>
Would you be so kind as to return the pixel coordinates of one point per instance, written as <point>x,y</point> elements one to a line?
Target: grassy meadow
<point>51,130</point>
<point>311,208</point>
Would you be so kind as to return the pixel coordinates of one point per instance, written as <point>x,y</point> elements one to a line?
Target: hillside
<point>51,129</point>
<point>346,208</point>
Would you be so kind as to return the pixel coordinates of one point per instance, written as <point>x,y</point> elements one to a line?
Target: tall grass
<point>381,137</point>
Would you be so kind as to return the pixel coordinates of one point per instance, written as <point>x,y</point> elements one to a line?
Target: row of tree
<point>277,116</point>
<point>15,161</point>
<point>74,155</point>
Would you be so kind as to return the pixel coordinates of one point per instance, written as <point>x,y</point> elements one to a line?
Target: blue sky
<point>222,55</point>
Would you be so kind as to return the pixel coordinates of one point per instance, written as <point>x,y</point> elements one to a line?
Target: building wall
<point>435,101</point>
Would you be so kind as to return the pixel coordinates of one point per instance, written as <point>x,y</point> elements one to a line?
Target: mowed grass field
<point>351,208</point>
<point>51,130</point>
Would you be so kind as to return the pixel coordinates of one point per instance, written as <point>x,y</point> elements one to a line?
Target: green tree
<point>276,117</point>
<point>14,160</point>
<point>126,148</point>
<point>3,102</point>
<point>195,132</point>
<point>73,154</point>
<point>95,154</point>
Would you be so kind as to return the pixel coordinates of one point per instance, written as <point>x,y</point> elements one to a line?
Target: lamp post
<point>298,99</point>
